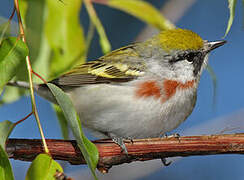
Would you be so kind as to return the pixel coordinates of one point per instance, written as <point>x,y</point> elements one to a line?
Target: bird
<point>142,90</point>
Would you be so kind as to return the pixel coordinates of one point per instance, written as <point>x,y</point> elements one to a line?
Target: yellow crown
<point>180,39</point>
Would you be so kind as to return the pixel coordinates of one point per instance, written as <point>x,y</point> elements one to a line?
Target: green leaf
<point>104,42</point>
<point>6,128</point>
<point>87,148</point>
<point>62,121</point>
<point>142,10</point>
<point>8,28</point>
<point>12,56</point>
<point>4,30</point>
<point>43,168</point>
<point>34,17</point>
<point>6,172</point>
<point>232,6</point>
<point>65,35</point>
<point>90,34</point>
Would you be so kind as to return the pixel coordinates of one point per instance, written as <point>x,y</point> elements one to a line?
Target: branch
<point>138,150</point>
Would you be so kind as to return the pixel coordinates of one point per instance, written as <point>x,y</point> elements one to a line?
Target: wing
<point>121,65</point>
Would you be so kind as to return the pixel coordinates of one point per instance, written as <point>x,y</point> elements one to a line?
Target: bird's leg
<point>120,141</point>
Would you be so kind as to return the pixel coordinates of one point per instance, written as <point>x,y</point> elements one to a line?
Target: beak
<point>213,45</point>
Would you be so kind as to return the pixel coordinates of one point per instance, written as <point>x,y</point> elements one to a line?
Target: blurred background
<point>207,18</point>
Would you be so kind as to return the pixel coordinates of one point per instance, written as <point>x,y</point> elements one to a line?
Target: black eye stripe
<point>196,58</point>
<point>189,56</point>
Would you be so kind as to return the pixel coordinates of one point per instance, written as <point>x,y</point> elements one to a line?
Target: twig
<point>140,150</point>
<point>29,68</point>
<point>23,119</point>
<point>39,76</point>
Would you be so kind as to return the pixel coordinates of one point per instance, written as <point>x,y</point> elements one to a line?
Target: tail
<point>40,89</point>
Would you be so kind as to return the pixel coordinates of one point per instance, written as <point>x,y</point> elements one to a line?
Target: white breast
<point>106,108</point>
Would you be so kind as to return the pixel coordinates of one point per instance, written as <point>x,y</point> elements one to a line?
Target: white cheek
<point>183,71</point>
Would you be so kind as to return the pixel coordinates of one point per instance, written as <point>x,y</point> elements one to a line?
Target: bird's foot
<point>164,135</point>
<point>175,135</point>
<point>120,141</point>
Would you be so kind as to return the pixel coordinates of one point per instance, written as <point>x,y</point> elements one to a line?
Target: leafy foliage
<point>67,40</point>
<point>5,167</point>
<point>87,148</point>
<point>43,168</point>
<point>12,56</point>
<point>106,47</point>
<point>62,121</point>
<point>6,128</point>
<point>6,173</point>
<point>232,7</point>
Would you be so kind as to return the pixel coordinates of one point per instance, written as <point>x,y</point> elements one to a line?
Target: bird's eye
<point>190,57</point>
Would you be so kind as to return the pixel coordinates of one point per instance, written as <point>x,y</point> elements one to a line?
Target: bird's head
<point>183,54</point>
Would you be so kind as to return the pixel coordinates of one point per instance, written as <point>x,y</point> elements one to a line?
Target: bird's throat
<point>170,87</point>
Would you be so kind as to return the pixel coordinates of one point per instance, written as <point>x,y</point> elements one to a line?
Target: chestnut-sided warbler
<point>139,91</point>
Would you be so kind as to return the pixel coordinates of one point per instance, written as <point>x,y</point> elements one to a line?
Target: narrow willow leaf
<point>12,57</point>
<point>6,172</point>
<point>4,30</point>
<point>90,34</point>
<point>43,168</point>
<point>6,128</point>
<point>65,35</point>
<point>62,121</point>
<point>87,148</point>
<point>104,42</point>
<point>7,28</point>
<point>142,10</point>
<point>232,7</point>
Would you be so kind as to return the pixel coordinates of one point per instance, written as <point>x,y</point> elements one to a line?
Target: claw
<point>165,163</point>
<point>175,135</point>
